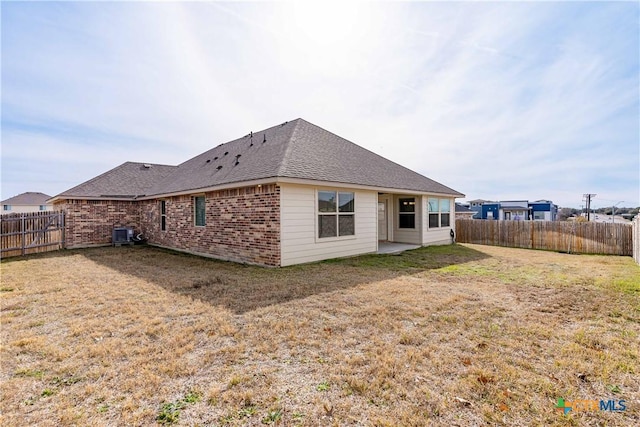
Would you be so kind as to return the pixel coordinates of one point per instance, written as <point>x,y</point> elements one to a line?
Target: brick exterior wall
<point>91,222</point>
<point>241,224</point>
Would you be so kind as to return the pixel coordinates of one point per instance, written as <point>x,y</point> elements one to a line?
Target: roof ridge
<point>378,155</point>
<point>287,151</point>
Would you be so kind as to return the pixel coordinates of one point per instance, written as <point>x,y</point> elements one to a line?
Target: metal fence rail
<point>28,233</point>
<point>572,237</point>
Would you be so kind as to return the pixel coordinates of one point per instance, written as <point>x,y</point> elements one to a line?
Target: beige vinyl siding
<point>25,209</point>
<point>407,235</point>
<point>298,219</point>
<point>438,236</point>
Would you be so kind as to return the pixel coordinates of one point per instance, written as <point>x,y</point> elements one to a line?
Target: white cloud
<point>495,100</point>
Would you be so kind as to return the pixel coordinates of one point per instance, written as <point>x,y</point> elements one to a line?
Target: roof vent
<point>215,158</point>
<point>284,123</point>
<point>264,138</point>
<point>208,161</point>
<point>219,167</point>
<point>146,166</point>
<point>226,152</point>
<point>237,158</point>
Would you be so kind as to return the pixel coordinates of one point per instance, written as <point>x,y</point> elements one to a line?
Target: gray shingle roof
<point>214,167</point>
<point>463,209</point>
<point>296,149</point>
<point>315,153</point>
<point>29,198</point>
<point>125,181</point>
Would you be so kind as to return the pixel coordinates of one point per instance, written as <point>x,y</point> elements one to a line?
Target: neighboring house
<point>520,210</point>
<point>476,206</point>
<point>463,212</point>
<point>286,195</point>
<point>27,202</point>
<point>543,210</point>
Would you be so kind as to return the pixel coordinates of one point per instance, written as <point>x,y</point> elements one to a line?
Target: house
<point>464,212</point>
<point>289,194</point>
<point>519,210</point>
<point>543,210</point>
<point>476,206</point>
<point>27,202</point>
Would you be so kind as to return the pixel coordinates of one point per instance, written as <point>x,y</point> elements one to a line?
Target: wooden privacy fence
<point>29,233</point>
<point>572,237</point>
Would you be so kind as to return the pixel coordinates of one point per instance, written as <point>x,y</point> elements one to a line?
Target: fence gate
<point>29,233</point>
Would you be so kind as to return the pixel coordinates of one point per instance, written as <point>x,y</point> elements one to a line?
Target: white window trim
<point>440,212</point>
<point>319,239</point>
<point>414,213</point>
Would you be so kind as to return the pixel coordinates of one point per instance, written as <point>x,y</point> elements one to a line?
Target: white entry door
<point>382,220</point>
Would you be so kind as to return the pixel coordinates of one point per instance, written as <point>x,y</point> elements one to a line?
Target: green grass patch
<point>170,412</point>
<point>30,373</point>
<point>424,258</point>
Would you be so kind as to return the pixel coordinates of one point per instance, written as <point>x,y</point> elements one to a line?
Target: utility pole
<point>587,197</point>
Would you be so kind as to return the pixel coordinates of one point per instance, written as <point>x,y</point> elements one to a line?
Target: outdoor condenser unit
<point>122,236</point>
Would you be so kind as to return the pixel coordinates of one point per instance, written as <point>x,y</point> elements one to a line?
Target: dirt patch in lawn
<point>456,335</point>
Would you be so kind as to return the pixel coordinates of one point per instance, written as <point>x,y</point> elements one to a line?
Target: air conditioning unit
<point>122,236</point>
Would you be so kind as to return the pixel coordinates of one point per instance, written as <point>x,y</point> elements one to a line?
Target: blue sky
<point>496,100</point>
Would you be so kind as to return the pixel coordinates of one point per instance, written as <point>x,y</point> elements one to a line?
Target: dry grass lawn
<point>461,335</point>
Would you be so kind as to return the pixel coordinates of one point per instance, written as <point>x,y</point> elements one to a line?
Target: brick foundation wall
<point>91,222</point>
<point>242,225</point>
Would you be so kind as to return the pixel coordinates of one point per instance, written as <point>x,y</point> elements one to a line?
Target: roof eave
<point>263,181</point>
<point>60,197</point>
<point>303,181</point>
<point>226,186</point>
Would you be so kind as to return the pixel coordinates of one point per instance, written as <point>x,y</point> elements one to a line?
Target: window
<point>434,213</point>
<point>445,212</point>
<point>336,214</point>
<point>538,215</point>
<point>6,207</point>
<point>43,207</point>
<point>163,215</point>
<point>439,212</point>
<point>199,208</point>
<point>407,213</point>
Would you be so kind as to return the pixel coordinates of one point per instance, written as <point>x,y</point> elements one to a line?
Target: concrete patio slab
<point>394,248</point>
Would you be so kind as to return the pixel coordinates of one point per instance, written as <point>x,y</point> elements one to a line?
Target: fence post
<point>24,233</point>
<point>635,239</point>
<point>61,218</point>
